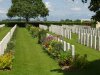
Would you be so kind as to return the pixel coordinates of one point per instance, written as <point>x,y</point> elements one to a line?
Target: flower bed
<point>64,58</point>
<point>55,49</point>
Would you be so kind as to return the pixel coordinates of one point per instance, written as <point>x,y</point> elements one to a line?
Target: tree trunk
<point>20,18</point>
<point>27,19</point>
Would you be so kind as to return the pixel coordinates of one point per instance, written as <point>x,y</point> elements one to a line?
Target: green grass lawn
<point>3,32</point>
<point>30,59</point>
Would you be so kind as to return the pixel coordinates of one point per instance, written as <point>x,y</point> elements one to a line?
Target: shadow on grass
<point>92,69</point>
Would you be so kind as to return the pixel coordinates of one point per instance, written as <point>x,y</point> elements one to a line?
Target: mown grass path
<point>3,32</point>
<point>30,58</point>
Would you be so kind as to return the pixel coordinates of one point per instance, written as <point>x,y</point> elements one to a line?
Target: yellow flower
<point>50,48</point>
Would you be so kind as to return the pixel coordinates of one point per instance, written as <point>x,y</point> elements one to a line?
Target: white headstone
<point>61,41</point>
<point>84,38</point>
<point>81,38</point>
<point>65,46</point>
<point>73,51</point>
<point>65,33</point>
<point>98,25</point>
<point>99,43</point>
<point>91,41</point>
<point>68,46</point>
<point>87,40</point>
<point>95,41</point>
<point>58,39</point>
<point>70,36</point>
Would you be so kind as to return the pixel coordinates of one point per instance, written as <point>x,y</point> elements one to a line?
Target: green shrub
<point>6,61</point>
<point>80,62</point>
<point>28,26</point>
<point>56,48</point>
<point>65,58</point>
<point>41,36</point>
<point>10,45</point>
<point>34,31</point>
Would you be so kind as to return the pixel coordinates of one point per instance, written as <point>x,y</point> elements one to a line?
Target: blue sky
<point>59,9</point>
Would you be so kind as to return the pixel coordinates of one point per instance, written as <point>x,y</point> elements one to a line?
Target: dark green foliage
<point>56,48</point>
<point>28,26</point>
<point>65,58</point>
<point>27,9</point>
<point>56,45</point>
<point>80,62</point>
<point>34,31</point>
<point>93,24</point>
<point>76,63</point>
<point>10,45</point>
<point>95,7</point>
<point>48,23</point>
<point>41,36</point>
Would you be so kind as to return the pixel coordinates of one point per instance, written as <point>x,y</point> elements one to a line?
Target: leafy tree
<point>68,20</point>
<point>10,14</point>
<point>95,7</point>
<point>28,9</point>
<point>77,20</point>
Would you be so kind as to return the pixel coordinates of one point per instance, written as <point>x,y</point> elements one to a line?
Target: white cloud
<point>49,6</point>
<point>76,9</point>
<point>3,11</point>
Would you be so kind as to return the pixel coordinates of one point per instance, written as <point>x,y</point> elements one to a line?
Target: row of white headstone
<point>75,28</point>
<point>85,29</point>
<point>5,40</point>
<point>89,37</point>
<point>91,31</point>
<point>2,25</point>
<point>60,30</point>
<point>43,27</point>
<point>66,46</point>
<point>55,29</point>
<point>89,40</point>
